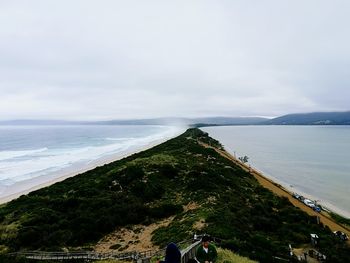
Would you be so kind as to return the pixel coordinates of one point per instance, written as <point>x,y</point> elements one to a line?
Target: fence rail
<point>189,252</point>
<point>140,257</point>
<point>40,255</point>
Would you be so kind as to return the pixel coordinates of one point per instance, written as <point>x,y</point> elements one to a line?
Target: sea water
<point>312,160</point>
<point>30,152</point>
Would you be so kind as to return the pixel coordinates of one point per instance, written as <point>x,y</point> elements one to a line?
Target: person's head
<point>172,254</point>
<point>205,241</point>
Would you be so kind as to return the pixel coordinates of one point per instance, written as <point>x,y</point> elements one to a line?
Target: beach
<point>281,191</point>
<point>24,187</point>
<point>311,161</point>
<point>27,186</point>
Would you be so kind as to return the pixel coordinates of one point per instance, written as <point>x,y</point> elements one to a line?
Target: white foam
<point>119,139</point>
<point>6,155</point>
<point>46,161</point>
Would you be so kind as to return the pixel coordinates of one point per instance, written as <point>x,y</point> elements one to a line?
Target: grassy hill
<point>197,189</point>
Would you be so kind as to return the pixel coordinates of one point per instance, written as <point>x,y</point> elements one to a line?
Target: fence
<point>189,252</point>
<point>139,257</point>
<point>40,255</point>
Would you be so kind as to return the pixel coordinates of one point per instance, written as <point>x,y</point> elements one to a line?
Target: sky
<point>102,60</point>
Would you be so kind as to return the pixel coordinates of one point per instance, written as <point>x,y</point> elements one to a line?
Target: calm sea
<point>313,160</point>
<point>27,152</point>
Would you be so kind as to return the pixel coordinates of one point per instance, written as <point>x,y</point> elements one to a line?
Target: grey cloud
<point>118,59</point>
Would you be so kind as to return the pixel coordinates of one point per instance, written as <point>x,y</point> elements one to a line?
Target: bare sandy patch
<point>191,206</point>
<point>136,238</point>
<point>199,225</point>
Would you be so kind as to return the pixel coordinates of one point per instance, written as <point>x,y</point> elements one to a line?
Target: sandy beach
<point>281,191</point>
<point>24,187</point>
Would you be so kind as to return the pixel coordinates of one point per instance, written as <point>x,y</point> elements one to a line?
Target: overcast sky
<point>101,59</point>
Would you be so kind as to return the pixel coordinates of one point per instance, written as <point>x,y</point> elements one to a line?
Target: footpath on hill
<point>280,191</point>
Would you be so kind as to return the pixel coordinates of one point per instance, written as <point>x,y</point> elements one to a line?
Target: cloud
<point>134,59</point>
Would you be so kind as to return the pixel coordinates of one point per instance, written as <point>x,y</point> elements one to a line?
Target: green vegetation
<point>224,256</point>
<point>340,219</point>
<point>226,202</point>
<point>10,259</point>
<point>111,261</point>
<point>227,256</point>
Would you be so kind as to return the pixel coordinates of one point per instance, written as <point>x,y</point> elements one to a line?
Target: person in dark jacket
<point>206,253</point>
<point>172,254</point>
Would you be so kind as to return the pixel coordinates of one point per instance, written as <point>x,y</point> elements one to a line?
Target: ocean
<point>32,155</point>
<point>311,160</point>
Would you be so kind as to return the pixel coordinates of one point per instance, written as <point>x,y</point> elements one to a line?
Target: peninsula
<point>185,186</point>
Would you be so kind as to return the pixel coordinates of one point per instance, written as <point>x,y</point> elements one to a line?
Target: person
<point>206,253</point>
<point>172,254</point>
<point>192,260</point>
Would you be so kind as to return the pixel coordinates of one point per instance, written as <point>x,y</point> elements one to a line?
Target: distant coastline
<point>313,118</point>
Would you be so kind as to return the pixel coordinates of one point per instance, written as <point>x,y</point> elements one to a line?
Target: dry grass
<point>136,238</point>
<point>111,261</point>
<point>227,256</point>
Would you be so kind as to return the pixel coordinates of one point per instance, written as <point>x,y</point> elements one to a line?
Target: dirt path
<point>280,191</point>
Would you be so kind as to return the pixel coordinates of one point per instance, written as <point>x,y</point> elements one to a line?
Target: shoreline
<point>25,187</point>
<point>282,191</point>
<point>290,188</point>
<point>312,163</point>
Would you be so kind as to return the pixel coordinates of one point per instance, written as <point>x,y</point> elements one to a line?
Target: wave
<point>47,161</point>
<point>120,139</point>
<point>6,155</point>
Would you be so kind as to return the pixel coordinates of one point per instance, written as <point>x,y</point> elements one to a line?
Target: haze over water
<point>313,160</point>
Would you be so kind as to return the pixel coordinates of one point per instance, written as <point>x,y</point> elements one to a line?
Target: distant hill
<point>211,121</point>
<point>315,118</point>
